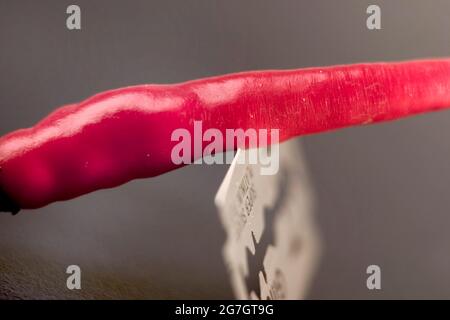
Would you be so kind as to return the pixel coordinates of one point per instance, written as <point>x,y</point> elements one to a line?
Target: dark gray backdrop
<point>383,190</point>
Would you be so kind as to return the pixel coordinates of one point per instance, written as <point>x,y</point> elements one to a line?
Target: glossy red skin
<point>125,134</point>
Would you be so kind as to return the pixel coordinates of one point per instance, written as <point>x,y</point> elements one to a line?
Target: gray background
<point>382,190</point>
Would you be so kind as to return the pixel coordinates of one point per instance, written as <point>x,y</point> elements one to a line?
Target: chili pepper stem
<point>7,204</point>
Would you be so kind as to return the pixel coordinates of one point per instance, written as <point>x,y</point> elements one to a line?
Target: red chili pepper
<point>124,134</point>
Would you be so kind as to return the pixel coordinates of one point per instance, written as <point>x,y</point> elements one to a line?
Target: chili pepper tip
<point>7,204</point>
